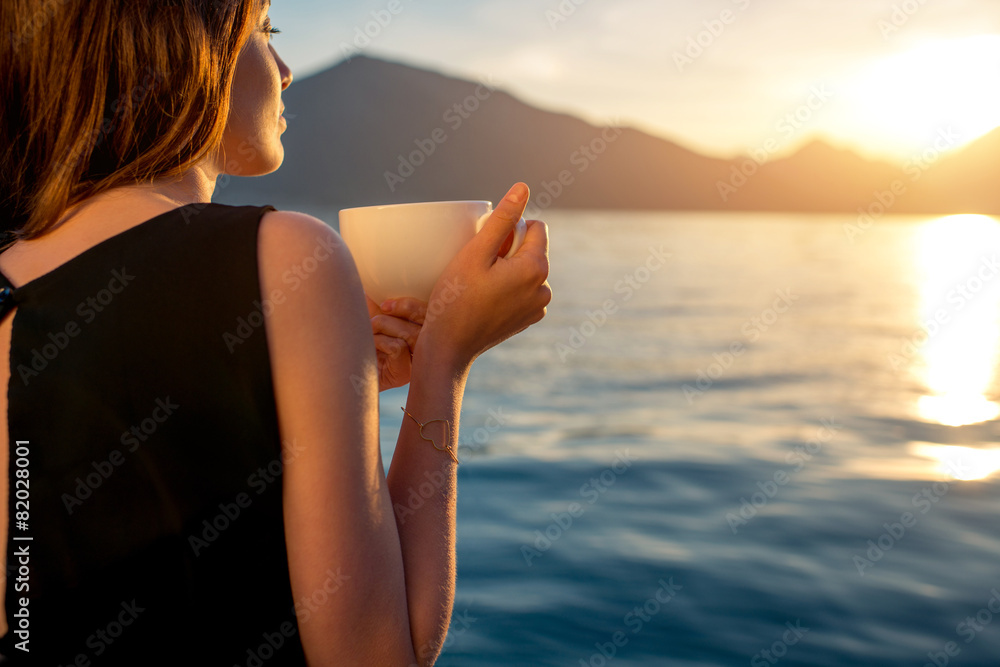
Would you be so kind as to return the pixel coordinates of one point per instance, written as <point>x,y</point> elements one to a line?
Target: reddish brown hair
<point>98,94</point>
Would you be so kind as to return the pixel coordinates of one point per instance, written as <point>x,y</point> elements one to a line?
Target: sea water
<point>737,440</point>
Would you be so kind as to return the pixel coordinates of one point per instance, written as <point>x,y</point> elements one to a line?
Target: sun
<point>906,102</point>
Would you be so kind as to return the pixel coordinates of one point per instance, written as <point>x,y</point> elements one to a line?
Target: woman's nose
<point>283,69</point>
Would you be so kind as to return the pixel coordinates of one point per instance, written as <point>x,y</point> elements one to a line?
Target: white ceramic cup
<point>402,249</point>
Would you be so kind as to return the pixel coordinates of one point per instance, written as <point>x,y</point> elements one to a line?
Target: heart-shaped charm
<point>447,434</point>
<point>446,447</point>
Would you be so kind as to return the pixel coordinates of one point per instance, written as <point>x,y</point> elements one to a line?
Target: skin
<point>331,350</point>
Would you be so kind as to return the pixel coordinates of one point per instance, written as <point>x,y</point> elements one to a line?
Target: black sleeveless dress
<point>145,513</point>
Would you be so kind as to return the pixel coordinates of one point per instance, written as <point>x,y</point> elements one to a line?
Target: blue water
<point>610,484</point>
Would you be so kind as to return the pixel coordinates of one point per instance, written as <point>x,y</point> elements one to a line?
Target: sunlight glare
<point>961,463</point>
<point>961,315</point>
<point>908,100</point>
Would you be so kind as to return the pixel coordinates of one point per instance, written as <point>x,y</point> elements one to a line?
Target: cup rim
<point>382,207</point>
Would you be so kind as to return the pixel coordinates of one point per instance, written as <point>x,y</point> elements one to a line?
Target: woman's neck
<point>102,216</point>
<point>194,186</point>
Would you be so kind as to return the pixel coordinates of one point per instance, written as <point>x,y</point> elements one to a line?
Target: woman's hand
<point>482,298</point>
<point>396,326</point>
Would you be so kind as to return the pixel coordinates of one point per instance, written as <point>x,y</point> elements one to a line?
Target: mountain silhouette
<point>368,131</point>
<point>963,181</point>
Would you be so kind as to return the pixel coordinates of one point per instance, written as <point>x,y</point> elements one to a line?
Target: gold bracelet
<point>447,434</point>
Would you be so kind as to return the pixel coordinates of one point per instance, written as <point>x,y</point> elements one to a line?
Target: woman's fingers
<point>407,308</point>
<point>396,325</point>
<point>397,328</point>
<point>536,251</point>
<point>394,362</point>
<point>391,346</point>
<point>537,235</point>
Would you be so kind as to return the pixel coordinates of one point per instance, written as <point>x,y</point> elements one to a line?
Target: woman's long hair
<point>97,94</point>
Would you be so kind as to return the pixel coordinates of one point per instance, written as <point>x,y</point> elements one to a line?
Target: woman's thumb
<point>503,220</point>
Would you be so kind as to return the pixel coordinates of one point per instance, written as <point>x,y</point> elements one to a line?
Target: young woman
<point>191,439</point>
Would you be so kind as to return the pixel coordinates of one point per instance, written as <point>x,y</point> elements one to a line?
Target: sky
<point>889,79</point>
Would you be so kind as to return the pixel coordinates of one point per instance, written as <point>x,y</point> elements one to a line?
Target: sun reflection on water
<point>961,463</point>
<point>960,295</point>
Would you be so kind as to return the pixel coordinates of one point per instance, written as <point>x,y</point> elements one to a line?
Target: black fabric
<point>141,381</point>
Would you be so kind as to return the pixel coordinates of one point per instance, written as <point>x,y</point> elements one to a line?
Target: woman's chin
<point>260,165</point>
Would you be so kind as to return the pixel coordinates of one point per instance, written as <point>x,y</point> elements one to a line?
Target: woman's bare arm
<point>338,515</point>
<point>398,575</point>
<point>489,299</point>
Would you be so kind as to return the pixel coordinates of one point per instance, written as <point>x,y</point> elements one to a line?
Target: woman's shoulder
<point>292,247</point>
<point>294,227</point>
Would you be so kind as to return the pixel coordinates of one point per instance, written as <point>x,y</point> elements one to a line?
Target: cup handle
<point>520,230</point>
